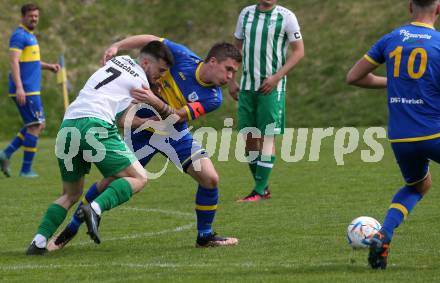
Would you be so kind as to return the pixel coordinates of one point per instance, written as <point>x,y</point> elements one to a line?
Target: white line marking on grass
<point>169,212</point>
<point>141,235</point>
<point>148,234</point>
<point>162,265</point>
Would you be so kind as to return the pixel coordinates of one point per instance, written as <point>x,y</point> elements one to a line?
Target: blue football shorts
<point>182,152</point>
<point>413,158</point>
<point>32,112</point>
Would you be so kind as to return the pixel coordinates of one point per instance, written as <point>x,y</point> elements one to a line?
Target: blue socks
<point>206,206</point>
<point>15,143</point>
<point>402,204</point>
<point>29,143</point>
<point>91,194</point>
<point>29,148</point>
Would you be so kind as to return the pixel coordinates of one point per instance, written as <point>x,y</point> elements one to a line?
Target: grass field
<point>298,236</point>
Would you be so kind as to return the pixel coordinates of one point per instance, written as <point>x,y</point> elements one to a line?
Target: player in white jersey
<point>103,100</point>
<point>88,135</point>
<point>263,33</point>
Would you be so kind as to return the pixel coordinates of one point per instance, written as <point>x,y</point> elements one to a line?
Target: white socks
<point>96,208</point>
<point>40,241</point>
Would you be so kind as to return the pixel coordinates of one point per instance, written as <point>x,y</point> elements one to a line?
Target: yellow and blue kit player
<point>181,87</point>
<point>24,89</point>
<point>190,89</point>
<point>411,54</point>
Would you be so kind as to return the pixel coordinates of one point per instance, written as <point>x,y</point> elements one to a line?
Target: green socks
<point>253,165</point>
<point>53,218</point>
<point>118,192</point>
<point>262,172</point>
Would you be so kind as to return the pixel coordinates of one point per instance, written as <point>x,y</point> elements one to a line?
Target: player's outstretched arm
<point>50,67</point>
<point>132,42</point>
<point>361,75</point>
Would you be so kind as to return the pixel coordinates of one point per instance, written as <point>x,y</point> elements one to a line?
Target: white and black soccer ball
<point>361,230</point>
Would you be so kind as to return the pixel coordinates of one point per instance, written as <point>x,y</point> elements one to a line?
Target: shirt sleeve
<point>376,54</point>
<point>17,41</point>
<point>239,27</point>
<point>180,52</point>
<point>199,108</point>
<point>292,28</point>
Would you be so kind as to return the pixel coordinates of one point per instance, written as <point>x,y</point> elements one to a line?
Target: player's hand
<point>269,84</point>
<point>108,54</point>
<point>54,68</point>
<point>233,90</point>
<point>143,94</point>
<point>20,96</point>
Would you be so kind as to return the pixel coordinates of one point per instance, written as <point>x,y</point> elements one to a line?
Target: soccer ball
<point>361,230</point>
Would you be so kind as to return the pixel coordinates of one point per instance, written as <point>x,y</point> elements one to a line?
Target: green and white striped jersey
<point>265,38</point>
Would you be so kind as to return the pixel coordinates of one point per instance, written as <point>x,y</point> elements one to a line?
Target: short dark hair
<point>222,51</point>
<point>28,8</point>
<point>158,50</point>
<point>424,3</point>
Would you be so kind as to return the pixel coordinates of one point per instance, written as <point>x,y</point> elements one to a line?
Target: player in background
<point>88,135</point>
<point>263,33</point>
<point>190,89</point>
<point>24,89</point>
<point>412,60</point>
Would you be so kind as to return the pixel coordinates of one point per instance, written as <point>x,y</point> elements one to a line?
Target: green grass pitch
<point>298,236</point>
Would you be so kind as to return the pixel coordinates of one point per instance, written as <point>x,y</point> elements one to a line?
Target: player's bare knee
<point>211,181</point>
<point>143,181</point>
<point>138,172</point>
<point>35,130</point>
<point>424,186</point>
<point>142,177</point>
<point>139,183</point>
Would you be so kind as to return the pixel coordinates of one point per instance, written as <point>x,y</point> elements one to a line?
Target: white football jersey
<point>107,92</point>
<point>265,36</point>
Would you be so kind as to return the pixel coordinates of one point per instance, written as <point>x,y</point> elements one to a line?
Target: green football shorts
<point>264,112</point>
<point>81,142</point>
